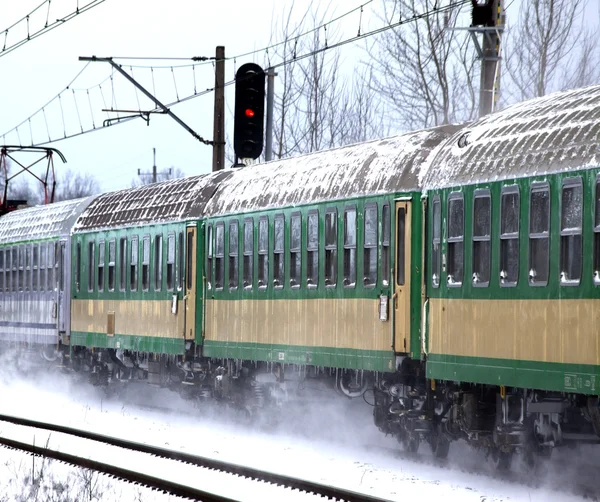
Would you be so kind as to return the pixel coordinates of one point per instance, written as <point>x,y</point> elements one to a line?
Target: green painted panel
<point>129,342</point>
<point>293,354</point>
<point>580,378</point>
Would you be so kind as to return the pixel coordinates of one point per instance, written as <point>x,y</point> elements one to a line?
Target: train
<point>449,276</point>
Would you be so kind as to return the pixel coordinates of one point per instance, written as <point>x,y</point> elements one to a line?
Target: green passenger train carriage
<point>312,261</point>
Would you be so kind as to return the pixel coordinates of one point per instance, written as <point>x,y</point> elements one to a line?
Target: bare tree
<point>423,69</point>
<point>74,185</point>
<point>550,48</point>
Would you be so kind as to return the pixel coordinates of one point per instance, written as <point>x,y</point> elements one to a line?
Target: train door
<point>190,283</point>
<point>60,267</point>
<point>402,278</point>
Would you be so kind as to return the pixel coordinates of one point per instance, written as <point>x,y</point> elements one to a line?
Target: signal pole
<point>154,173</point>
<point>219,112</point>
<point>490,54</point>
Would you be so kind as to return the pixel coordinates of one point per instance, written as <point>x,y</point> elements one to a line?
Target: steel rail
<point>200,461</point>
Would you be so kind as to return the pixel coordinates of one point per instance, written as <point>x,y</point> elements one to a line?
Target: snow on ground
<point>334,443</point>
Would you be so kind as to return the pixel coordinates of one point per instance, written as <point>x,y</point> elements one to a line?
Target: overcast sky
<point>36,72</point>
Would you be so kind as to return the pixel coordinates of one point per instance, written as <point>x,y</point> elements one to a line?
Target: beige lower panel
<point>561,331</point>
<point>350,323</point>
<point>132,317</point>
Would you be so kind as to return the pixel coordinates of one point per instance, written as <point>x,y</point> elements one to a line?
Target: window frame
<point>372,248</point>
<point>146,262</point>
<point>505,237</point>
<point>112,264</point>
<point>436,279</point>
<point>123,264</point>
<point>331,249</point>
<point>101,265</point>
<point>536,187</point>
<point>210,248</point>
<point>219,256</point>
<point>596,233</point>
<point>279,253</point>
<point>295,252</point>
<point>248,272</point>
<point>456,241</point>
<point>481,193</point>
<point>133,276</point>
<point>234,255</point>
<point>312,250</point>
<point>571,233</point>
<point>263,253</point>
<point>171,261</point>
<point>350,249</point>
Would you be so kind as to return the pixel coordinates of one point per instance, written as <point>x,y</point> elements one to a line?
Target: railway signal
<point>248,127</point>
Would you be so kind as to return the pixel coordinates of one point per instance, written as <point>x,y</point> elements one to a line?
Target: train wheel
<point>440,446</point>
<point>502,459</point>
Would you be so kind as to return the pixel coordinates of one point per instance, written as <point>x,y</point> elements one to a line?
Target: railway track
<point>165,475</point>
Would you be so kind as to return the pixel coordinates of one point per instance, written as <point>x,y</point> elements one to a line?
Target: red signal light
<point>249,112</point>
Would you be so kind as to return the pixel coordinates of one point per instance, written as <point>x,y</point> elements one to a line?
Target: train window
<point>482,223</point>
<point>58,265</point>
<point>234,253</point>
<point>158,252</point>
<point>597,234</point>
<point>35,264</point>
<point>15,269</point>
<point>112,257</point>
<point>571,250</point>
<point>123,263</point>
<point>21,254</point>
<point>278,253</point>
<point>133,264</point>
<point>385,245</point>
<point>456,232</point>
<point>312,249</point>
<point>146,263</point>
<point>101,256</point>
<point>190,255</point>
<point>180,265</point>
<point>539,234</point>
<point>248,253</point>
<point>91,265</point>
<point>2,270</point>
<point>209,256</point>
<point>370,246</point>
<point>78,267</point>
<point>171,262</point>
<point>331,245</point>
<point>295,249</point>
<point>436,241</point>
<point>349,247</point>
<point>27,250</point>
<point>219,255</point>
<point>43,256</point>
<point>509,236</point>
<point>263,250</point>
<point>6,271</point>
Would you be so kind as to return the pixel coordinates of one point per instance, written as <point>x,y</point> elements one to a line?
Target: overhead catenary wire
<point>295,57</point>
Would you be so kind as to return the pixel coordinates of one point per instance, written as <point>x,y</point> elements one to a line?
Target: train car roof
<point>168,201</point>
<point>557,132</point>
<point>382,166</point>
<point>41,222</point>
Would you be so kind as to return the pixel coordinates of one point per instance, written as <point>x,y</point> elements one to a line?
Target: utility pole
<point>490,14</point>
<point>219,112</point>
<point>154,173</point>
<point>269,133</point>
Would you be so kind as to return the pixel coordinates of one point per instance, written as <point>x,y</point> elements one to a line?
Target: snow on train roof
<point>382,166</point>
<point>40,222</point>
<point>557,132</point>
<point>172,200</point>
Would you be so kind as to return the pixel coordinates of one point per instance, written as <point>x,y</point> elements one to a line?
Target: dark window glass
<point>385,245</point>
<point>133,265</point>
<point>146,263</point>
<point>436,242</point>
<point>571,250</point>
<point>263,252</point>
<point>509,236</point>
<point>60,269</point>
<point>482,223</point>
<point>248,253</point>
<point>401,247</point>
<point>295,249</point>
<point>2,270</point>
<point>91,265</point>
<point>27,268</point>
<point>180,258</point>
<point>209,256</point>
<point>189,266</point>
<point>78,267</point>
<point>219,255</point>
<point>597,235</point>
<point>456,231</point>
<point>350,247</point>
<point>7,270</point>
<point>112,255</point>
<point>331,244</point>
<point>234,250</point>
<point>36,262</point>
<point>170,262</point>
<point>278,251</point>
<point>122,263</point>
<point>370,246</point>
<point>51,277</point>
<point>158,262</point>
<point>15,269</point>
<point>539,234</point>
<point>101,256</point>
<point>312,249</point>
